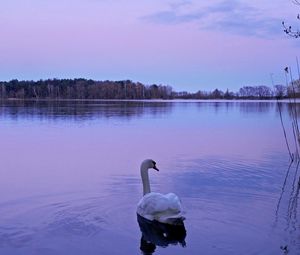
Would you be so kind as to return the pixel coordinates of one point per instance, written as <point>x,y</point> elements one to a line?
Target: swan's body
<point>159,207</point>
<point>155,206</point>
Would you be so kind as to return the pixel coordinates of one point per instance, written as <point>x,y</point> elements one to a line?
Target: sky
<point>188,44</point>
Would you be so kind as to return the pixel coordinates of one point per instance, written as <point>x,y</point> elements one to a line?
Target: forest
<point>127,89</point>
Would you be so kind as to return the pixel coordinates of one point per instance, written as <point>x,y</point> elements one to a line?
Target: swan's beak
<point>155,168</point>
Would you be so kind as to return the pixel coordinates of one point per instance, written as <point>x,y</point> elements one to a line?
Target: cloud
<point>171,17</point>
<point>240,18</point>
<point>228,16</point>
<point>180,3</point>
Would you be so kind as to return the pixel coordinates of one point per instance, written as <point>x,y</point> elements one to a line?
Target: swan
<point>155,206</point>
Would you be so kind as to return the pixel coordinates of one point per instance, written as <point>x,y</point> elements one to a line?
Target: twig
<point>298,68</point>
<point>295,115</point>
<point>291,200</point>
<point>284,132</point>
<point>282,191</point>
<point>296,142</point>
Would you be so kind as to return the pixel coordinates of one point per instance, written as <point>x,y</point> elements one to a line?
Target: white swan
<point>155,206</point>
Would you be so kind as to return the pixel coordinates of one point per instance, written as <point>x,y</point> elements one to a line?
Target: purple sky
<point>188,44</point>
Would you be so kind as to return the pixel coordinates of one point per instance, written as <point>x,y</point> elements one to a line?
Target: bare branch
<point>288,30</point>
<point>296,2</point>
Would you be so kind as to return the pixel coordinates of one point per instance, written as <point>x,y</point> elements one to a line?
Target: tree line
<point>247,92</point>
<point>82,89</point>
<point>127,89</point>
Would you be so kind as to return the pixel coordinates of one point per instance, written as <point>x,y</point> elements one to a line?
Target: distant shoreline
<point>284,100</point>
<point>83,89</point>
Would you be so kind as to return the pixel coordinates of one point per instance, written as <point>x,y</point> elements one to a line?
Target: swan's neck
<point>145,180</point>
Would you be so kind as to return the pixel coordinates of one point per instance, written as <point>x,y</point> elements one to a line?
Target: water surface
<point>70,176</point>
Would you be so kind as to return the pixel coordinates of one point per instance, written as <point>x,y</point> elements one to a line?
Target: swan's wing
<point>174,202</point>
<point>174,214</point>
<point>156,206</point>
<point>152,204</point>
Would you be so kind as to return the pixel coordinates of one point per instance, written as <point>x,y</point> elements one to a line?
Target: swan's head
<point>149,163</point>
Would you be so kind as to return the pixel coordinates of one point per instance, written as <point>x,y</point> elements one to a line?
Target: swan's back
<point>163,208</point>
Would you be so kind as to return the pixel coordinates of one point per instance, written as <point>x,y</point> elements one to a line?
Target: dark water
<point>69,177</point>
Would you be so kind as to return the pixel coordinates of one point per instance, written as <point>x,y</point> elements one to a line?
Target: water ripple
<point>84,217</point>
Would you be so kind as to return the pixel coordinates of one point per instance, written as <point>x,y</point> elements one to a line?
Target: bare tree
<point>280,91</point>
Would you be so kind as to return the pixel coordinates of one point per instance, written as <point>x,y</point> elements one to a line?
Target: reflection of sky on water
<point>66,163</point>
<point>45,149</point>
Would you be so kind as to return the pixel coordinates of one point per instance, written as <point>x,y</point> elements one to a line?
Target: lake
<point>70,179</point>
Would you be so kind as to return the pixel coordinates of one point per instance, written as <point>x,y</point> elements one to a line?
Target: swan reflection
<point>155,234</point>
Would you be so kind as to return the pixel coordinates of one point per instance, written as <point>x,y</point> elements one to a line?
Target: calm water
<point>70,177</point>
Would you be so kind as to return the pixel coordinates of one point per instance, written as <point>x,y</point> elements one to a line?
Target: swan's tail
<point>175,219</point>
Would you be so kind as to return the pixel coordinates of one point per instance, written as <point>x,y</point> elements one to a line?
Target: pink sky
<point>183,43</point>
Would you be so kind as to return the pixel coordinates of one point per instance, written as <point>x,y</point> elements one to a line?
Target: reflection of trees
<point>246,107</point>
<point>293,108</point>
<point>256,107</point>
<point>216,105</point>
<point>82,109</point>
<point>155,234</point>
<point>290,107</point>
